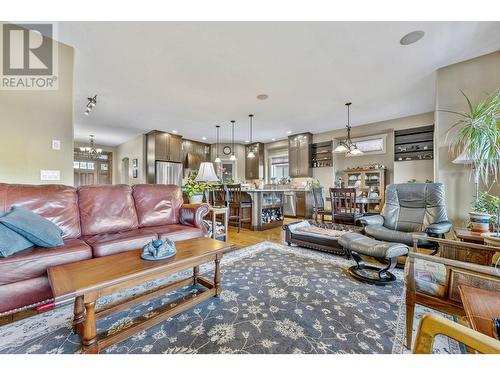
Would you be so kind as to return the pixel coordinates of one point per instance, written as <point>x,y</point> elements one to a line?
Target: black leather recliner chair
<point>409,209</point>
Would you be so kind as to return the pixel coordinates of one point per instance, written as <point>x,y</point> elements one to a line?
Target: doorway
<point>90,171</point>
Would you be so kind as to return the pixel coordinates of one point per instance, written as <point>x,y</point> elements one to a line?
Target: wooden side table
<point>481,307</point>
<point>466,235</point>
<point>220,210</point>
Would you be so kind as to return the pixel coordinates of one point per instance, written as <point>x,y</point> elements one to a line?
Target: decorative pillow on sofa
<point>11,242</point>
<point>33,227</point>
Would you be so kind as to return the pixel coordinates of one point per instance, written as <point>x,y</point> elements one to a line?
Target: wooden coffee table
<point>88,280</point>
<point>481,307</point>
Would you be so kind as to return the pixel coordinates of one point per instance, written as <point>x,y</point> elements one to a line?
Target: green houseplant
<point>475,137</point>
<point>194,189</point>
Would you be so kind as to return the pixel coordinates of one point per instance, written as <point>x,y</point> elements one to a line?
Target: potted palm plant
<point>475,137</point>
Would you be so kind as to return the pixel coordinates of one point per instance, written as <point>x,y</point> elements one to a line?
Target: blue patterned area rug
<point>276,299</point>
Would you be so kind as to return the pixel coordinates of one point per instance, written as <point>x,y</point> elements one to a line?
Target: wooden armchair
<point>433,325</point>
<point>433,281</point>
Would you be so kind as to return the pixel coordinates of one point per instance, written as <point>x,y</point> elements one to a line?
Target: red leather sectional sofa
<point>96,220</point>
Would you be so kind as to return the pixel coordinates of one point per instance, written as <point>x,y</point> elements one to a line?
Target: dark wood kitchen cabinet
<point>194,153</point>
<point>164,146</point>
<point>299,155</point>
<point>254,167</point>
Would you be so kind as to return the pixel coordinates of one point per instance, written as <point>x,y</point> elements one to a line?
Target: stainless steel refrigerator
<point>168,173</point>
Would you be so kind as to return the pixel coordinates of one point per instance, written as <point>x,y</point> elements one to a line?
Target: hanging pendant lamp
<point>251,154</point>
<point>217,158</point>
<point>348,146</point>
<point>233,157</point>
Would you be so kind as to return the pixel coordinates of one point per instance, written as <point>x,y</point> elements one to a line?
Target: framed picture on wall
<point>135,163</point>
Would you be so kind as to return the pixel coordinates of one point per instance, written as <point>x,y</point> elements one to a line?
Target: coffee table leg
<point>78,315</point>
<point>218,288</point>
<point>89,338</point>
<point>196,271</point>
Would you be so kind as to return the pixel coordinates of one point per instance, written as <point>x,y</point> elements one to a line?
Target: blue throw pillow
<point>33,227</point>
<point>11,242</point>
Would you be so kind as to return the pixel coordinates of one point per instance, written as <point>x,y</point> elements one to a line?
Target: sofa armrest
<point>193,214</point>
<point>439,228</point>
<point>372,220</point>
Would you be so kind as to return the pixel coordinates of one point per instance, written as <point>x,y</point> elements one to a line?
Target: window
<point>371,145</point>
<point>279,167</point>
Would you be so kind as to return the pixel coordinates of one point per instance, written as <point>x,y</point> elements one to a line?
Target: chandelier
<point>91,152</point>
<point>347,145</point>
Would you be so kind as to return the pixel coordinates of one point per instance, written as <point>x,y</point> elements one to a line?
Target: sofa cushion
<point>57,203</point>
<point>157,204</point>
<point>112,243</point>
<point>384,234</point>
<point>11,242</point>
<point>106,209</point>
<point>25,293</point>
<point>177,232</point>
<point>33,227</point>
<point>34,262</point>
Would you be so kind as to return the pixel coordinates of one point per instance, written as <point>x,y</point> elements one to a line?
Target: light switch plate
<point>56,144</point>
<point>50,175</point>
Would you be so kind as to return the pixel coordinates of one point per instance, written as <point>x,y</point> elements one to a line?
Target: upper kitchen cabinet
<point>254,167</point>
<point>164,146</point>
<point>299,155</point>
<point>194,153</point>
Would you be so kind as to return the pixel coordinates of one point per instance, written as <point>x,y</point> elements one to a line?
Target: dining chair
<point>344,209</point>
<point>236,205</point>
<point>319,204</point>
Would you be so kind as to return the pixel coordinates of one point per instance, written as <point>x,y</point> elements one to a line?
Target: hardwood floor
<point>248,237</point>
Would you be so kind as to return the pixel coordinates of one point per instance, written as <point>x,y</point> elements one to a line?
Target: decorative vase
<point>196,199</point>
<point>480,222</point>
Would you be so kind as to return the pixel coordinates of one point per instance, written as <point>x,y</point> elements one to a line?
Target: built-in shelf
<point>321,154</point>
<point>414,144</point>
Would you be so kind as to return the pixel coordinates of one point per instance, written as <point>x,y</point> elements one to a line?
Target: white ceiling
<point>190,76</point>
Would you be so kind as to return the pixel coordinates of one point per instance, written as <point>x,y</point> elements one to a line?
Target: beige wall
<point>133,149</point>
<point>239,152</point>
<point>420,170</point>
<point>475,78</point>
<point>326,175</point>
<point>30,120</point>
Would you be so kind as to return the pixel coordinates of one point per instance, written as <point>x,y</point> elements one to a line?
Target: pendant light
<point>251,154</point>
<point>347,145</point>
<point>217,158</point>
<point>233,157</point>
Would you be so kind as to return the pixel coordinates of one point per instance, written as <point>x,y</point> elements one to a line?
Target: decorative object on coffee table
<point>158,250</point>
<point>89,279</point>
<point>325,238</point>
<point>357,244</point>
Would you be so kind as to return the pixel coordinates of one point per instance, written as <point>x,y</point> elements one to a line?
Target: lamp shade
<point>206,173</point>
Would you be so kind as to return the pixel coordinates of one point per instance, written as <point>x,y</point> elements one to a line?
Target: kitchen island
<point>267,207</point>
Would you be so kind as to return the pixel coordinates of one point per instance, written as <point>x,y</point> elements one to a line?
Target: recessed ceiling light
<point>174,131</point>
<point>412,37</point>
<point>273,139</point>
<point>262,96</point>
<point>289,132</point>
<point>204,138</point>
<point>247,141</point>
